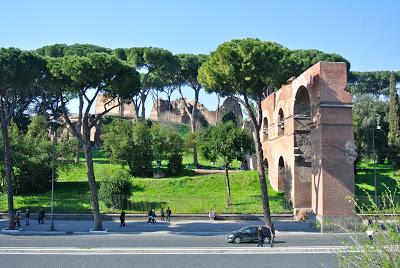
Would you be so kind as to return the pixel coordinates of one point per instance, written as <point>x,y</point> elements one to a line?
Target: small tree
<point>131,144</point>
<point>394,123</point>
<point>226,142</point>
<point>115,190</point>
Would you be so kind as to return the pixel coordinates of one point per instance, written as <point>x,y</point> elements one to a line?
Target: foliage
<point>31,158</point>
<point>305,58</point>
<point>130,143</point>
<point>113,186</point>
<point>383,250</point>
<point>225,141</point>
<point>394,123</point>
<point>367,110</point>
<point>373,83</point>
<point>61,50</point>
<point>138,144</point>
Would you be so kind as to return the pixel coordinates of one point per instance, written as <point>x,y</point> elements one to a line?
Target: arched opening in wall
<point>285,180</point>
<point>265,129</point>
<point>302,147</point>
<point>281,123</point>
<point>302,107</point>
<point>266,167</point>
<point>281,174</point>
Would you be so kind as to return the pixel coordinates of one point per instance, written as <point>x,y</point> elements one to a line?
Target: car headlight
<point>230,235</point>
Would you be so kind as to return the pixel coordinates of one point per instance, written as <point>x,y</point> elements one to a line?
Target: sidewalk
<point>193,227</point>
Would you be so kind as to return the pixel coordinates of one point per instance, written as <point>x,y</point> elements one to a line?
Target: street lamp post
<point>373,148</point>
<point>53,124</point>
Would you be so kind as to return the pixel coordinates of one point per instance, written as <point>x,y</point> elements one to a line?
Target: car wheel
<point>236,240</point>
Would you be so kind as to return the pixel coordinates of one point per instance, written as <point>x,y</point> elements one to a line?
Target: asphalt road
<point>177,261</point>
<point>213,257</point>
<point>162,240</point>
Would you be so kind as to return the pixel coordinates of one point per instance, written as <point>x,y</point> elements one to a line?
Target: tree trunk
<point>79,127</point>
<point>9,175</point>
<point>228,188</point>
<point>92,180</point>
<point>260,157</point>
<point>262,179</point>
<point>143,97</point>
<point>216,114</point>
<point>195,158</point>
<point>193,119</point>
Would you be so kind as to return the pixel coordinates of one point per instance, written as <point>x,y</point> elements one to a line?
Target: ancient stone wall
<point>308,140</point>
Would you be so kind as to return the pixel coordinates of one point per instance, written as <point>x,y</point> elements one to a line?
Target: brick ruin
<point>308,142</point>
<point>176,113</point>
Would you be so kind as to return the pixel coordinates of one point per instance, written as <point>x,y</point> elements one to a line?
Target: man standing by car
<point>260,233</point>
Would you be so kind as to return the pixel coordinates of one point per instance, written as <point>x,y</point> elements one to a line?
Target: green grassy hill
<point>188,193</point>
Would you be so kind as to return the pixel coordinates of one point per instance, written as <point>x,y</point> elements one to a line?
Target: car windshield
<point>248,228</point>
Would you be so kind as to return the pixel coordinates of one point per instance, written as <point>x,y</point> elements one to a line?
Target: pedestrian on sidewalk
<point>162,213</point>
<point>261,237</point>
<point>211,214</point>
<point>17,218</point>
<point>41,216</point>
<point>122,219</point>
<point>27,216</point>
<point>272,235</point>
<point>169,212</point>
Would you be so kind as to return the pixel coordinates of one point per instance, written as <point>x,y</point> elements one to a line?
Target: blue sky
<point>366,32</point>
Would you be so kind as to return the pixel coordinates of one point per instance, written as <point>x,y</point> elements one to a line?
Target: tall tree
<point>246,69</point>
<point>149,60</point>
<point>19,70</point>
<point>394,123</point>
<point>373,83</point>
<point>189,68</point>
<point>226,142</point>
<point>103,74</point>
<point>61,50</point>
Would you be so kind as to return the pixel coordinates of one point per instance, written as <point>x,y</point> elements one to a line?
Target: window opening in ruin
<point>302,107</point>
<point>281,123</point>
<point>265,129</point>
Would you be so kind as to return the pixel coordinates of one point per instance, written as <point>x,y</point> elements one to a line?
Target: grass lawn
<point>187,193</point>
<point>386,178</point>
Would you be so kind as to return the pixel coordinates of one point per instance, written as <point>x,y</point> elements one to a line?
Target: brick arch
<point>301,103</point>
<point>280,121</point>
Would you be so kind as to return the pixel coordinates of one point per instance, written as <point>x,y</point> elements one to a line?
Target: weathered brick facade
<point>308,141</point>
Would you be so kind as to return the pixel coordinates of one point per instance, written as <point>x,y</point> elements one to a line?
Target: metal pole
<point>53,153</point>
<point>373,148</point>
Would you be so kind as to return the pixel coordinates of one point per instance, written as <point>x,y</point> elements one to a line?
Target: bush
<point>175,164</point>
<point>115,190</point>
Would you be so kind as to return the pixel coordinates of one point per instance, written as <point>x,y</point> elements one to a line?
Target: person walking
<point>27,216</point>
<point>169,212</point>
<point>17,218</point>
<point>261,237</point>
<point>41,216</point>
<point>162,214</point>
<point>122,219</point>
<point>272,235</point>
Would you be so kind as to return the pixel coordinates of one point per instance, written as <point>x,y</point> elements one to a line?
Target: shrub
<point>115,190</point>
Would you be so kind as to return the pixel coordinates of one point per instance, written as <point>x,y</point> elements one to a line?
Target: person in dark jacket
<point>122,219</point>
<point>41,216</point>
<point>260,233</point>
<point>168,214</point>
